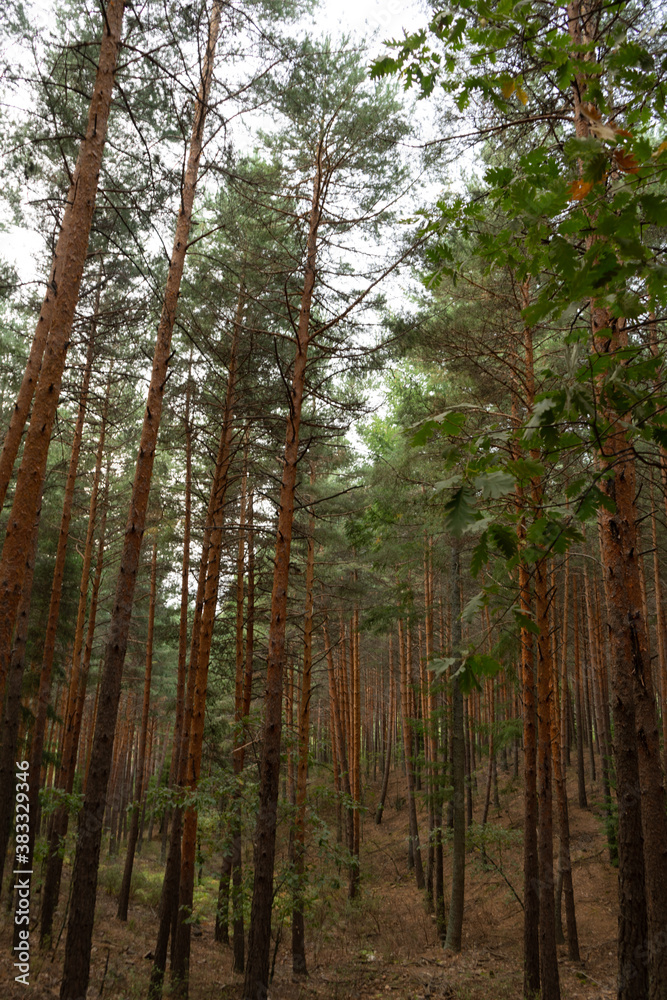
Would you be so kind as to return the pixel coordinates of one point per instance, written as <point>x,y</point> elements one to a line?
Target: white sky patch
<point>382,19</point>
<point>374,20</point>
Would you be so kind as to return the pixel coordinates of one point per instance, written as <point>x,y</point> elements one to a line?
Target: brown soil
<point>383,946</point>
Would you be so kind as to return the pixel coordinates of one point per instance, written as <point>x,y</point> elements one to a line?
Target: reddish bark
<point>257,969</point>
<point>338,729</point>
<point>133,834</point>
<point>549,978</point>
<point>185,575</point>
<point>579,700</point>
<point>408,748</point>
<point>72,250</point>
<point>77,685</point>
<point>199,664</point>
<point>12,713</point>
<point>356,748</point>
<point>84,879</point>
<point>299,847</point>
<point>560,779</point>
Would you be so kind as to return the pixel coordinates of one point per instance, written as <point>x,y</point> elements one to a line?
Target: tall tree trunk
<point>84,879</point>
<point>455,924</point>
<point>233,847</point>
<point>390,728</point>
<point>531,877</point>
<point>414,849</point>
<point>641,807</point>
<point>549,978</point>
<point>185,576</point>
<point>139,788</point>
<point>12,716</point>
<point>660,629</point>
<point>355,744</point>
<point>603,743</point>
<point>257,969</point>
<point>579,700</point>
<point>299,847</point>
<point>625,653</point>
<point>338,729</point>
<point>72,720</point>
<point>210,572</point>
<point>560,780</point>
<point>71,250</point>
<point>168,909</point>
<point>239,754</point>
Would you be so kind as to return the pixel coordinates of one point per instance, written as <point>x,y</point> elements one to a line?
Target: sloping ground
<point>385,945</point>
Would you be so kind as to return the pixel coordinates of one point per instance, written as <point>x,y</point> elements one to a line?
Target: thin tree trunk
<point>660,630</point>
<point>299,847</point>
<point>210,570</point>
<point>139,788</point>
<point>605,752</point>
<point>183,624</point>
<point>414,852</point>
<point>338,728</point>
<point>72,721</point>
<point>12,716</point>
<point>560,780</point>
<point>237,854</point>
<point>76,967</point>
<point>390,727</point>
<point>549,978</point>
<point>71,250</point>
<point>233,850</point>
<point>355,672</point>
<point>531,878</point>
<point>581,777</point>
<point>626,635</point>
<point>455,924</point>
<point>257,969</point>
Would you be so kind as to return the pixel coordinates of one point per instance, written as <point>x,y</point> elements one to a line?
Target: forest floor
<point>383,945</point>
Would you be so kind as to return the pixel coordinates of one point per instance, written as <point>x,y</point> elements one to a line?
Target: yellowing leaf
<point>591,112</point>
<point>661,149</point>
<point>626,161</point>
<point>522,95</point>
<point>605,132</point>
<point>508,88</point>
<point>579,189</point>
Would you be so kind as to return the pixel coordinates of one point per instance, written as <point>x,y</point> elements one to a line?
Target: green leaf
<point>495,484</point>
<point>474,606</point>
<point>480,555</point>
<point>523,621</point>
<point>442,665</point>
<point>505,540</point>
<point>459,512</point>
<point>484,665</point>
<point>526,468</point>
<point>446,484</point>
<point>448,423</point>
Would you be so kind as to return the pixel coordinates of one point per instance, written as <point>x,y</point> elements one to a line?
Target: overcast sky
<point>375,20</point>
<point>387,18</point>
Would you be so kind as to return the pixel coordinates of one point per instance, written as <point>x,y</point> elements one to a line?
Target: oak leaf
<point>626,161</point>
<point>579,189</point>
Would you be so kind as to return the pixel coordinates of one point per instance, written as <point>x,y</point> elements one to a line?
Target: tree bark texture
<point>84,879</point>
<point>77,687</point>
<point>257,970</point>
<point>299,843</point>
<point>71,251</point>
<point>210,572</point>
<point>139,789</point>
<point>455,924</point>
